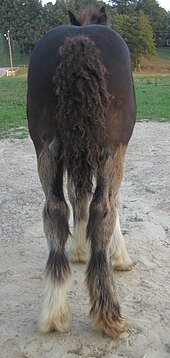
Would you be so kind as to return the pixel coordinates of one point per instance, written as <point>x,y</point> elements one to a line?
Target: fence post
<point>10,51</point>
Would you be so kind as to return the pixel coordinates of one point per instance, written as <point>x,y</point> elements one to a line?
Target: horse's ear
<point>103,14</point>
<point>72,18</point>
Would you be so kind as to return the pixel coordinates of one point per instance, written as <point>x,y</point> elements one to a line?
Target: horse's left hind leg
<point>79,247</point>
<point>55,311</point>
<point>120,259</point>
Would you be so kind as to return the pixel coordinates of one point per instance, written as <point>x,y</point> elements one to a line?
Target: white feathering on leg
<point>119,256</point>
<point>54,312</point>
<point>79,249</point>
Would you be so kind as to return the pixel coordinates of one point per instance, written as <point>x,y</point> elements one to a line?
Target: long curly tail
<point>82,99</point>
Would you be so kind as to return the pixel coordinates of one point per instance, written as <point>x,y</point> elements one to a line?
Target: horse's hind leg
<point>105,310</point>
<point>79,247</point>
<point>55,312</point>
<point>119,256</point>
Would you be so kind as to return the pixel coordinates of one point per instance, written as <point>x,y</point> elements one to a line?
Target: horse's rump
<point>81,102</point>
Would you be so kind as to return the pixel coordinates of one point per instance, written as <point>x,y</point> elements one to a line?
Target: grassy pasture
<point>152,94</point>
<point>13,106</point>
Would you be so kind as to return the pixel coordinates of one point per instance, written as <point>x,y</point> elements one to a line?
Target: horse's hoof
<point>122,264</point>
<point>123,267</point>
<point>114,329</point>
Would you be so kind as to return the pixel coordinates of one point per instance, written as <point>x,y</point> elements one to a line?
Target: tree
<point>8,16</point>
<point>137,33</point>
<point>28,20</point>
<point>124,7</point>
<point>50,17</point>
<point>145,42</point>
<point>157,17</point>
<point>24,20</point>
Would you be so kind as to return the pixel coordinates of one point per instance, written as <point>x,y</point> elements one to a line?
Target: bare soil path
<point>144,292</point>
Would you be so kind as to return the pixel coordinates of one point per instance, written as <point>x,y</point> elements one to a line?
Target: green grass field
<point>152,94</point>
<point>13,106</point>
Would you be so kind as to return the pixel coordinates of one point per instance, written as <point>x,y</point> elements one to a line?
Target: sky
<point>163,3</point>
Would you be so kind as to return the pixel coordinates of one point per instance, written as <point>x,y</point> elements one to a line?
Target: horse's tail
<point>82,99</point>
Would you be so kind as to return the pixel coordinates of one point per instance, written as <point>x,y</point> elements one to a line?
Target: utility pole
<point>10,51</point>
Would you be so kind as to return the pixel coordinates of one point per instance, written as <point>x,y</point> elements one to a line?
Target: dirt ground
<point>144,292</point>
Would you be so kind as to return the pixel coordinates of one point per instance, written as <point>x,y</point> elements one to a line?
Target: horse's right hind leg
<point>55,312</point>
<point>105,310</point>
<point>79,247</point>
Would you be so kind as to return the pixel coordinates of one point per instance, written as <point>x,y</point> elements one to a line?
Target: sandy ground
<point>144,292</point>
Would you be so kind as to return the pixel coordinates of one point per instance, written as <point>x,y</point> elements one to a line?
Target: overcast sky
<point>163,3</point>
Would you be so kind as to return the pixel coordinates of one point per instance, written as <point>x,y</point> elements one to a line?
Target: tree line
<point>142,23</point>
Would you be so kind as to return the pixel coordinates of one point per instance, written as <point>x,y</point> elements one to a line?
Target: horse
<point>81,114</point>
